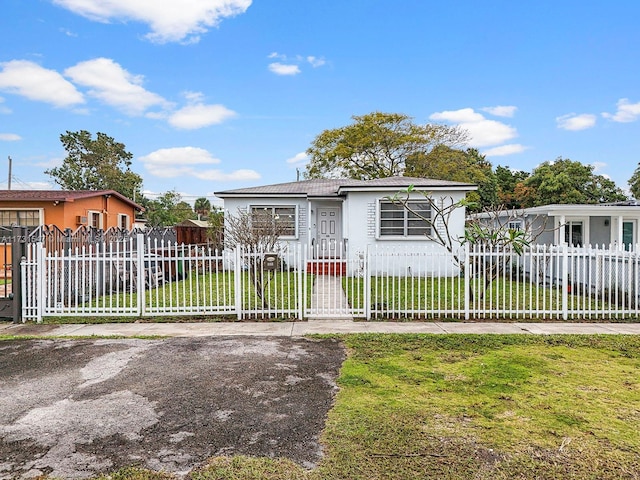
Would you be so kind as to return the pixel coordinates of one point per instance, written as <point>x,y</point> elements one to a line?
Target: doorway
<point>329,232</point>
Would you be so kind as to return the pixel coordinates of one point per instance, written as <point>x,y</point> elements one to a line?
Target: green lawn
<point>471,407</point>
<point>213,289</point>
<point>424,297</point>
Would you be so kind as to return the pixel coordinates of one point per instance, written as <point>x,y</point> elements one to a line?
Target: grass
<point>392,297</point>
<point>212,294</point>
<point>471,406</point>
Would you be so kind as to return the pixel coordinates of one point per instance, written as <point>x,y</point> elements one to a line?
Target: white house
<point>614,224</point>
<point>340,218</point>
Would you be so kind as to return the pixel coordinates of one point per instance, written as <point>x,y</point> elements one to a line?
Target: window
<point>573,234</point>
<point>123,221</point>
<point>398,221</point>
<point>515,225</point>
<point>22,218</point>
<point>281,219</point>
<point>95,220</point>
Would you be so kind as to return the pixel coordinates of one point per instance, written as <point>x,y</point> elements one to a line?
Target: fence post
<point>564,282</point>
<point>237,274</point>
<point>467,281</point>
<point>366,275</point>
<point>41,273</point>
<point>302,268</point>
<point>17,255</point>
<point>140,284</point>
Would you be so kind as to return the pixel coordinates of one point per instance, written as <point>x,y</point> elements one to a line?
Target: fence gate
<point>13,243</point>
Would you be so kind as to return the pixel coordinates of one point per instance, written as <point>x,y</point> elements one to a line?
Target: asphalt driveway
<point>75,408</point>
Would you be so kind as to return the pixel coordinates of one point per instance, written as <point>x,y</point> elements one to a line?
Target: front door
<point>329,232</point>
<point>627,235</point>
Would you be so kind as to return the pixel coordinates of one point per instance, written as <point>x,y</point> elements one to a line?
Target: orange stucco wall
<point>64,214</point>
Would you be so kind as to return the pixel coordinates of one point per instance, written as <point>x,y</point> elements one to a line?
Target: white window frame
<point>295,236</point>
<point>39,210</point>
<point>633,222</point>
<point>127,220</point>
<point>90,214</point>
<point>406,218</point>
<point>568,221</point>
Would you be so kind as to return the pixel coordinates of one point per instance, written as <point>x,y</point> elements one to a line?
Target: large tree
<point>566,181</point>
<point>634,183</point>
<point>376,145</point>
<point>96,164</point>
<point>202,207</point>
<point>469,166</point>
<point>168,209</point>
<point>506,181</point>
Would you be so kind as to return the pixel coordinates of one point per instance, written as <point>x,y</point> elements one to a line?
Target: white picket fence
<point>143,278</point>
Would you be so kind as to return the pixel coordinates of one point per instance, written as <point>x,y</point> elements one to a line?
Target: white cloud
<point>199,115</point>
<point>189,161</point>
<point>68,33</point>
<point>464,115</point>
<point>298,158</point>
<point>503,150</point>
<point>283,69</point>
<point>169,20</point>
<point>30,80</point>
<point>113,85</point>
<point>482,132</point>
<point>599,166</point>
<point>501,110</point>
<point>575,122</point>
<point>10,137</point>
<point>627,112</point>
<point>315,61</point>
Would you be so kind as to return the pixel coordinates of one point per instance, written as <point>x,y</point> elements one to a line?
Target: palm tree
<point>202,207</point>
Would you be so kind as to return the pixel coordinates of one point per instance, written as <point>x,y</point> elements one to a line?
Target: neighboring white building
<point>339,218</point>
<point>614,224</point>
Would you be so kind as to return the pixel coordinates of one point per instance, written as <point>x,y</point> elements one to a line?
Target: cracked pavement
<point>76,408</point>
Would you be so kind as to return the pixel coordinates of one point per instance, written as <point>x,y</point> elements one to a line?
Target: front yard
<point>475,406</point>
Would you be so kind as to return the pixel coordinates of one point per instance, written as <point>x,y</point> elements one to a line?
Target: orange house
<point>67,209</point>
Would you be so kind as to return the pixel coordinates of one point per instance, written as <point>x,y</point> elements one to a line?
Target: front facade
<point>614,224</point>
<point>67,209</point>
<point>339,218</point>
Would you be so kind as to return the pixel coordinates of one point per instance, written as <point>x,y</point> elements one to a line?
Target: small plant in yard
<point>257,232</point>
<point>494,234</point>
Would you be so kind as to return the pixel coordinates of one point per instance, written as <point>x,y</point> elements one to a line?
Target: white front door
<point>329,232</point>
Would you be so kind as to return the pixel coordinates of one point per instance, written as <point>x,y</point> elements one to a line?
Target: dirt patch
<point>75,408</point>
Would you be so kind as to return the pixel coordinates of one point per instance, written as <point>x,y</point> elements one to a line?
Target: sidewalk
<point>296,329</point>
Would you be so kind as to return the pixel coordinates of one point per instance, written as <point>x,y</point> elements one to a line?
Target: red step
<point>327,267</point>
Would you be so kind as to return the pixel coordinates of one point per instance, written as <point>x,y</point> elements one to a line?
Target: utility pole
<point>9,180</point>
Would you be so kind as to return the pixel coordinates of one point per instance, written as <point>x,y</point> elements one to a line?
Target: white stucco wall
<point>360,224</point>
<point>361,230</point>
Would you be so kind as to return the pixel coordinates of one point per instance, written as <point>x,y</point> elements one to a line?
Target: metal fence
<point>140,276</point>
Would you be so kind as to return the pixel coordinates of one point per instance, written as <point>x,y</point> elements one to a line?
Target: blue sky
<point>210,95</point>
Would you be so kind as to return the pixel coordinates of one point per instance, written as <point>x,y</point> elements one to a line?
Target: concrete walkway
<point>296,329</point>
<point>328,299</point>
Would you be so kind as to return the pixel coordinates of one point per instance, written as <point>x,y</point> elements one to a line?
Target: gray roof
<point>60,196</point>
<point>333,187</point>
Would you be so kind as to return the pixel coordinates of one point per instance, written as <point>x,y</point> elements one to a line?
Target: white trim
<point>40,211</point>
<point>562,221</point>
<point>128,222</point>
<point>296,216</point>
<point>403,238</point>
<point>90,213</point>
